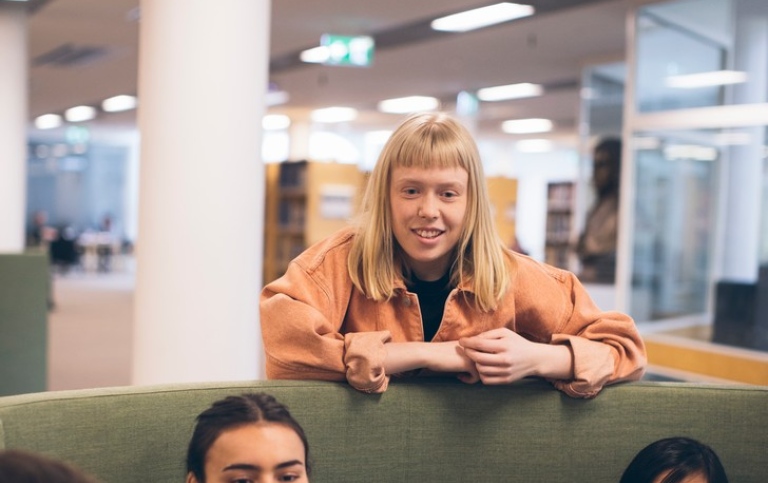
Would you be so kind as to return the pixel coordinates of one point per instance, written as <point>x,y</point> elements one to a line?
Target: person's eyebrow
<point>290,463</point>
<point>246,466</point>
<point>241,466</point>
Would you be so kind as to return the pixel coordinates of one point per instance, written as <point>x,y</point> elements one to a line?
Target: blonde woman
<point>423,284</point>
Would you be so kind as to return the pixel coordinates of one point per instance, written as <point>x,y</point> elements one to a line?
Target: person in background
<point>675,460</point>
<point>21,466</point>
<point>596,247</point>
<point>250,437</point>
<point>423,284</point>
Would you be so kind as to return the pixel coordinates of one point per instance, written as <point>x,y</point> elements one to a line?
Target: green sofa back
<point>421,431</point>
<point>24,286</point>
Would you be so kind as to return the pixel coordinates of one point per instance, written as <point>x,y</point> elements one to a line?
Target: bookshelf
<point>306,201</point>
<point>560,199</point>
<point>503,194</point>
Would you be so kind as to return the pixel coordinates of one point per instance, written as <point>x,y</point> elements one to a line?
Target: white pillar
<point>745,163</point>
<point>13,121</point>
<point>202,82</point>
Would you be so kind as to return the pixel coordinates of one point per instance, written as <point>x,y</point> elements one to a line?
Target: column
<point>202,82</point>
<point>13,121</point>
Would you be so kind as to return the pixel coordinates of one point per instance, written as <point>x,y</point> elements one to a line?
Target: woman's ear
<point>191,478</point>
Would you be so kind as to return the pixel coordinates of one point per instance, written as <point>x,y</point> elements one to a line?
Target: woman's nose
<point>428,208</point>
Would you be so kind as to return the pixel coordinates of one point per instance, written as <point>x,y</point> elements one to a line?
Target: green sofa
<point>418,431</point>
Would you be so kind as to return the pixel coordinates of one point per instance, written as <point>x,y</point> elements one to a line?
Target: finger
<point>468,378</point>
<point>484,358</point>
<point>482,344</point>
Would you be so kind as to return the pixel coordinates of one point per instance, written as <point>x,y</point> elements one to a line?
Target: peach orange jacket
<point>317,325</point>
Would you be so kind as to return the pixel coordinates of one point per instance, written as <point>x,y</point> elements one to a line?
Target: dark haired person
<point>675,460</point>
<point>21,466</point>
<point>250,437</point>
<point>597,244</point>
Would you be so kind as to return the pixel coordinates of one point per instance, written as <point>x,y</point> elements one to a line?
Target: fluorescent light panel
<point>48,121</point>
<point>316,55</point>
<point>482,17</point>
<point>403,105</point>
<point>119,103</point>
<point>80,113</point>
<point>526,126</point>
<point>706,79</point>
<point>334,114</point>
<point>510,91</point>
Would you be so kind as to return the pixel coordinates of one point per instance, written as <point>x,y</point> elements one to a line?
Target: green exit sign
<point>348,50</point>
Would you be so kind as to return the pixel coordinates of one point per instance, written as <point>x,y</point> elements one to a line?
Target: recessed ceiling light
<point>119,103</point>
<point>334,114</point>
<point>526,126</point>
<point>706,79</point>
<point>80,113</point>
<point>482,17</point>
<point>316,55</point>
<point>275,122</point>
<point>510,91</point>
<point>48,121</point>
<point>403,105</point>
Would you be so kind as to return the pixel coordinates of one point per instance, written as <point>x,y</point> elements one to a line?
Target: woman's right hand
<point>439,357</point>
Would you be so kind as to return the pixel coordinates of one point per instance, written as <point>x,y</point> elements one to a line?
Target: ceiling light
<point>534,146</point>
<point>119,103</point>
<point>334,114</point>
<point>48,121</point>
<point>80,113</point>
<point>526,126</point>
<point>706,79</point>
<point>275,122</point>
<point>510,91</point>
<point>403,105</point>
<point>482,17</point>
<point>316,55</point>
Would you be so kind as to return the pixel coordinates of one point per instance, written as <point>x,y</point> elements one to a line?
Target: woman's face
<point>428,207</point>
<point>255,453</point>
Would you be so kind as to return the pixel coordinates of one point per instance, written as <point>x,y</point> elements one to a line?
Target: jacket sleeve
<point>302,313</point>
<point>554,307</point>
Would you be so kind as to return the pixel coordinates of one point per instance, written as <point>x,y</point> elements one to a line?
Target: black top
<point>432,297</point>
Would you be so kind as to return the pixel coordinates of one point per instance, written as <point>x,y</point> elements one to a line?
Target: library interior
<point>161,162</point>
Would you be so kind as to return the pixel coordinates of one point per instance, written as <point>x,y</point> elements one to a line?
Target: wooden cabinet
<point>560,200</point>
<point>306,201</point>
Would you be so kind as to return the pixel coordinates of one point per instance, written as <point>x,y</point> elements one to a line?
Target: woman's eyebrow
<point>241,466</point>
<point>290,463</point>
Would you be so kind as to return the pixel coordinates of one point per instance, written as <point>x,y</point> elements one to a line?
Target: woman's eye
<point>450,194</point>
<point>410,191</point>
<point>288,478</point>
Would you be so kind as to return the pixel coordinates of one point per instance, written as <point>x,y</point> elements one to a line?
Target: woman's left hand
<point>502,356</point>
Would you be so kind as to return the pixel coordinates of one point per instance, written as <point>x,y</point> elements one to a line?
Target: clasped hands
<point>501,356</point>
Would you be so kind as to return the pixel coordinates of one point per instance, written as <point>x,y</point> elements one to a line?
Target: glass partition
<point>698,183</point>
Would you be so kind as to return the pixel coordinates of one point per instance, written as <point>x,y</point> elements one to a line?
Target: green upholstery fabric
<point>24,285</point>
<point>418,431</point>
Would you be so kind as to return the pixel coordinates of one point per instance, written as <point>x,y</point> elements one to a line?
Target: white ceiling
<point>550,48</point>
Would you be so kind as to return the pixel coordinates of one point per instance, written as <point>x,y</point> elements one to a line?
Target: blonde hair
<point>429,140</point>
